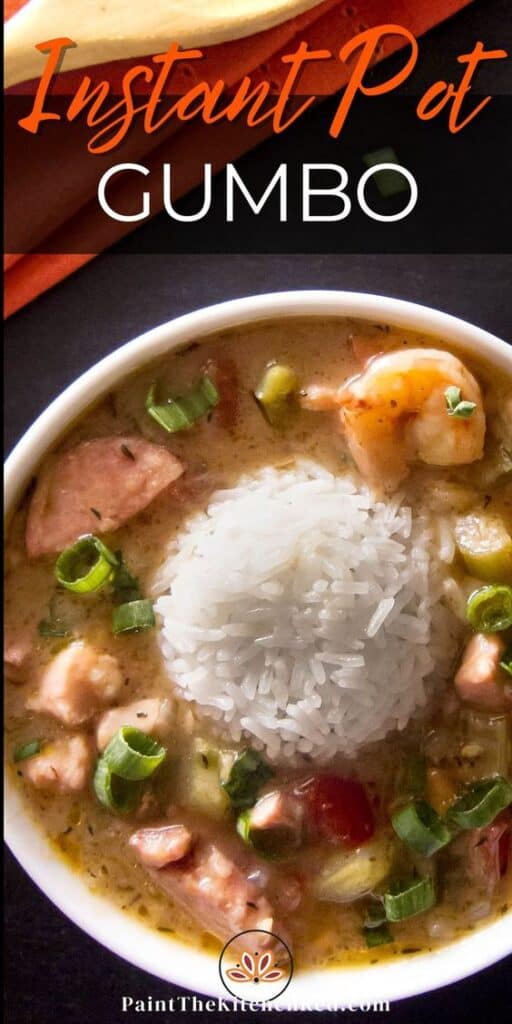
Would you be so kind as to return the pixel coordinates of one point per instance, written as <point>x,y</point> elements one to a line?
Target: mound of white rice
<point>303,615</point>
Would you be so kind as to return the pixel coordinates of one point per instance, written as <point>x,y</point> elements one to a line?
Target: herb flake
<point>455,404</point>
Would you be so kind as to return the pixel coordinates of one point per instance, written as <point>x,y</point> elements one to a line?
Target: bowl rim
<point>166,958</point>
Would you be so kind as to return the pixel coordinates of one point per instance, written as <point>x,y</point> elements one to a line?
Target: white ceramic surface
<point>160,954</point>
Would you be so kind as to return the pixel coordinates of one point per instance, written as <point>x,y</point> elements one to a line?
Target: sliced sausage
<point>480,681</point>
<point>152,716</point>
<point>94,488</point>
<point>63,766</point>
<point>223,885</point>
<point>156,847</point>
<point>76,684</point>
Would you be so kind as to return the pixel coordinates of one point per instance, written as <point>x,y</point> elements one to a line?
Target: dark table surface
<point>55,970</point>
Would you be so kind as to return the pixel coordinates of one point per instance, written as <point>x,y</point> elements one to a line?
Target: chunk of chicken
<point>223,886</point>
<point>152,716</point>
<point>94,488</point>
<point>76,684</point>
<point>480,681</point>
<point>156,847</point>
<point>17,653</point>
<point>63,766</point>
<point>281,809</point>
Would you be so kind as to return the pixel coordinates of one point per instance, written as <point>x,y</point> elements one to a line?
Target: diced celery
<point>201,778</point>
<point>490,736</point>
<point>276,388</point>
<point>485,546</point>
<point>348,875</point>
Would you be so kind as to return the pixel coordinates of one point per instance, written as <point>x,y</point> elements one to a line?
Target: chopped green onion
<point>243,826</point>
<point>489,610</point>
<point>481,803</point>
<point>181,413</point>
<point>133,617</point>
<point>133,755</point>
<point>506,661</point>
<point>380,936</point>
<point>456,406</point>
<point>418,825</point>
<point>247,775</point>
<point>85,566</point>
<point>406,899</point>
<point>114,793</point>
<point>125,586</point>
<point>27,750</point>
<point>389,183</point>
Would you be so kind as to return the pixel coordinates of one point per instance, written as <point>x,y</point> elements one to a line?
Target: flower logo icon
<point>255,968</point>
<point>256,965</point>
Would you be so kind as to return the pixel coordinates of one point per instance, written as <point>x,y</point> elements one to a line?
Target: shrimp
<point>395,413</point>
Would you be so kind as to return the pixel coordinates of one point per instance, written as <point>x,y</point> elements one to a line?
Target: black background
<point>55,970</point>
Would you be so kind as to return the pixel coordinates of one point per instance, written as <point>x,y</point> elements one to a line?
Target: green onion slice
<point>133,617</point>
<point>247,775</point>
<point>114,793</point>
<point>489,609</point>
<point>125,586</point>
<point>181,413</point>
<point>86,566</point>
<point>133,755</point>
<point>481,803</point>
<point>406,899</point>
<point>418,825</point>
<point>27,750</point>
<point>455,405</point>
<point>506,661</point>
<point>380,936</point>
<point>243,826</point>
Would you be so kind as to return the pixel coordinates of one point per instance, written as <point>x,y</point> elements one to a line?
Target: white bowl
<point>158,954</point>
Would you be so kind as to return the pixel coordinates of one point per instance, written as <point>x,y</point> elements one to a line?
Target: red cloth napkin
<point>74,221</point>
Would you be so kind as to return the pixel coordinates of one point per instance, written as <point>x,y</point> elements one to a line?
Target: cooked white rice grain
<point>305,615</point>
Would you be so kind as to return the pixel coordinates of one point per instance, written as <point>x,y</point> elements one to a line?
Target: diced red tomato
<point>340,809</point>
